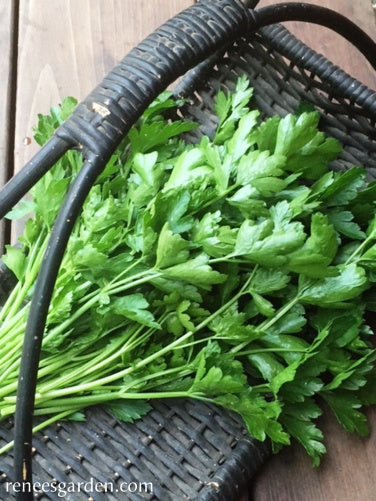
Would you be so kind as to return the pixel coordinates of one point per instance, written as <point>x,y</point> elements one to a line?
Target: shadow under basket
<point>187,449</point>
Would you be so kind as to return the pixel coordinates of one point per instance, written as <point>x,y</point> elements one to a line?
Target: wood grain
<point>6,38</point>
<point>7,13</point>
<point>67,46</point>
<point>347,471</point>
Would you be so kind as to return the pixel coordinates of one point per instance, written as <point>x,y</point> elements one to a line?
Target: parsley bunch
<point>237,271</point>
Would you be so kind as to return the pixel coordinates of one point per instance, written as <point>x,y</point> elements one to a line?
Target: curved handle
<point>100,121</point>
<point>306,12</point>
<point>319,15</point>
<point>97,126</point>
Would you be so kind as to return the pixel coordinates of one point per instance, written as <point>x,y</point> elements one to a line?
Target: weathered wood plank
<point>347,471</point>
<point>67,47</point>
<point>6,38</point>
<point>7,12</point>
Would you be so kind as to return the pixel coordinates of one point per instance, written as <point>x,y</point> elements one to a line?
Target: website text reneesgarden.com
<point>90,487</point>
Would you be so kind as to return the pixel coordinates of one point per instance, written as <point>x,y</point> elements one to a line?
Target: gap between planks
<point>8,79</point>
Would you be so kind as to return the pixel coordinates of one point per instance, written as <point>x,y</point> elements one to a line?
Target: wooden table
<point>54,48</point>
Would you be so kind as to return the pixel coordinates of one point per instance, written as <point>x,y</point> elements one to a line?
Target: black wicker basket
<point>185,449</point>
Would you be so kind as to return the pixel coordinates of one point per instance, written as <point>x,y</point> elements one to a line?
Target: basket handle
<point>306,12</point>
<point>97,126</point>
<point>100,122</point>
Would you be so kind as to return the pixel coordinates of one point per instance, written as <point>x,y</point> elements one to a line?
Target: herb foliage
<point>237,271</point>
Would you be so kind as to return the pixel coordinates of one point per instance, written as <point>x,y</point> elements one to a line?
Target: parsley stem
<point>107,287</point>
<point>87,400</point>
<point>228,258</point>
<point>12,368</point>
<point>103,360</point>
<point>18,294</point>
<point>360,248</point>
<point>127,283</point>
<point>127,270</point>
<point>271,350</point>
<point>11,329</point>
<point>57,417</point>
<point>264,326</point>
<point>81,401</point>
<point>94,299</point>
<point>182,371</point>
<point>113,376</point>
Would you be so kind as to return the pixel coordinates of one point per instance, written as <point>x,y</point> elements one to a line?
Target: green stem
<point>229,258</point>
<point>127,283</point>
<point>360,248</point>
<point>7,447</point>
<point>127,270</point>
<point>272,350</point>
<point>105,359</point>
<point>281,312</point>
<point>72,404</point>
<point>264,326</point>
<point>166,373</point>
<point>108,286</point>
<point>11,331</point>
<point>13,365</point>
<point>89,303</point>
<point>83,401</point>
<point>35,260</point>
<point>100,382</point>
